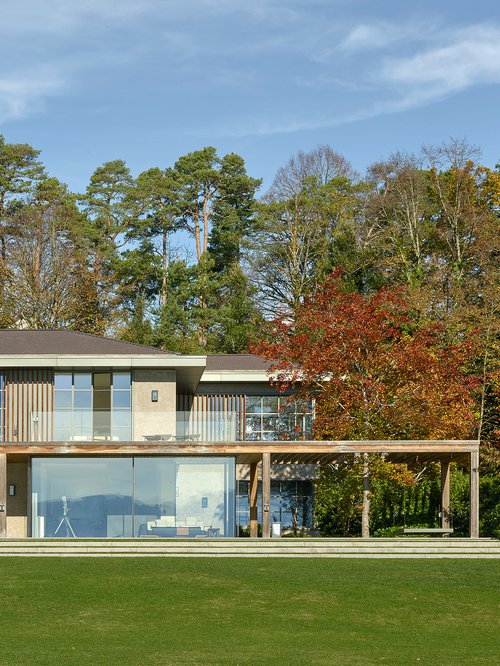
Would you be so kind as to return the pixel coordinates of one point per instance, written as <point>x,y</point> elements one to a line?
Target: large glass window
<point>291,504</point>
<point>184,497</point>
<point>124,497</point>
<point>92,406</point>
<point>277,418</point>
<point>82,497</point>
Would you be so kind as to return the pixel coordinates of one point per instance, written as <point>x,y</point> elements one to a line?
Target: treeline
<point>188,258</point>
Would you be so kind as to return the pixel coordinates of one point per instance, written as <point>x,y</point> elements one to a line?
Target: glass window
<point>253,405</point>
<point>102,401</point>
<point>63,400</point>
<point>291,505</point>
<point>94,395</point>
<point>121,381</point>
<point>124,497</point>
<point>121,399</point>
<point>275,417</point>
<point>102,381</point>
<point>184,497</point>
<point>270,404</point>
<point>63,380</point>
<point>82,380</point>
<point>83,400</point>
<point>82,497</point>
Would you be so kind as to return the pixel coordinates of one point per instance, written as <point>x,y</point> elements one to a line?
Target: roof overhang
<point>245,376</point>
<point>189,369</point>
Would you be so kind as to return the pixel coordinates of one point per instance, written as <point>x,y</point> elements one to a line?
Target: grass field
<point>158,611</point>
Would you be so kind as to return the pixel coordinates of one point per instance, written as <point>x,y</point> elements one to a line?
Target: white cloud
<point>23,94</point>
<point>472,57</point>
<point>369,37</point>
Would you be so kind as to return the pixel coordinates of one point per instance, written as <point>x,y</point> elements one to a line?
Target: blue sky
<point>146,81</point>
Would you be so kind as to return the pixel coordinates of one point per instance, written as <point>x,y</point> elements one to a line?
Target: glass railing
<point>124,426</point>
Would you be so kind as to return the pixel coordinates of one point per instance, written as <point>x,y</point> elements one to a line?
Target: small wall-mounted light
<point>12,490</point>
<point>204,502</point>
<point>154,395</point>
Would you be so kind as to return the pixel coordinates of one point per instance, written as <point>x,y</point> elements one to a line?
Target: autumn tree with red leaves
<point>372,373</point>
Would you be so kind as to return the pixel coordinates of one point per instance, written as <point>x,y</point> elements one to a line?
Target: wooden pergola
<point>266,454</point>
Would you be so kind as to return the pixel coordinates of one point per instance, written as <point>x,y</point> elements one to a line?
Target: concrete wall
<point>17,506</point>
<point>153,418</point>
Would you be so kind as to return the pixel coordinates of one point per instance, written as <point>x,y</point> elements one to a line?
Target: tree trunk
<point>164,269</point>
<point>365,516</point>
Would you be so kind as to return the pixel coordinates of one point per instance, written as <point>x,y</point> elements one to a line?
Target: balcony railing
<point>84,425</point>
<point>124,426</point>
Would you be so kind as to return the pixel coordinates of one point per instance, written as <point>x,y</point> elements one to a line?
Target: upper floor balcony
<point>115,426</point>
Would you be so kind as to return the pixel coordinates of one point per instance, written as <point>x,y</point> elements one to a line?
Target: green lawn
<point>248,611</point>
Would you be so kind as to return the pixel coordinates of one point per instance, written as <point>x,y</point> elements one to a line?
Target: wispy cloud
<point>382,35</point>
<point>469,57</point>
<point>23,94</point>
<point>369,37</point>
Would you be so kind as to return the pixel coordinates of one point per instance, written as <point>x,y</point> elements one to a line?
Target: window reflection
<point>104,397</point>
<point>124,497</point>
<point>98,494</point>
<point>275,418</point>
<point>291,504</point>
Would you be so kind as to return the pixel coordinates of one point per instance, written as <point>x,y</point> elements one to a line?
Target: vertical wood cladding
<point>28,398</point>
<point>201,407</point>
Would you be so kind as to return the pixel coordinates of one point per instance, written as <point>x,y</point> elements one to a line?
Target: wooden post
<point>3,495</point>
<point>365,515</point>
<point>474,495</point>
<point>266,495</point>
<point>445,494</point>
<point>253,494</point>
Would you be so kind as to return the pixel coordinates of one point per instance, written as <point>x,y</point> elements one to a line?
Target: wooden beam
<point>284,452</point>
<point>474,495</point>
<point>266,495</point>
<point>445,494</point>
<point>3,495</point>
<point>253,495</point>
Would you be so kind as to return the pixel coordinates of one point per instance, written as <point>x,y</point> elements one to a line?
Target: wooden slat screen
<point>202,406</point>
<point>27,392</point>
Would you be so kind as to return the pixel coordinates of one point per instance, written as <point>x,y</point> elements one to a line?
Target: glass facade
<point>92,406</point>
<point>133,497</point>
<point>291,504</point>
<point>277,418</point>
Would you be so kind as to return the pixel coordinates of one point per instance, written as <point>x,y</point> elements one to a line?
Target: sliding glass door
<point>124,497</point>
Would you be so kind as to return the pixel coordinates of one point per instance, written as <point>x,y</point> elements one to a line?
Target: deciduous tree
<point>372,373</point>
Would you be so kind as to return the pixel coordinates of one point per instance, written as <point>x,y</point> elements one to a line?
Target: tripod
<point>65,520</point>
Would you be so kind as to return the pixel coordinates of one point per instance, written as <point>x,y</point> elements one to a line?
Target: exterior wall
<point>17,506</point>
<point>27,391</point>
<point>153,418</point>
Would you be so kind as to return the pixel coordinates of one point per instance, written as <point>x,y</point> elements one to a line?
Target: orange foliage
<point>372,373</point>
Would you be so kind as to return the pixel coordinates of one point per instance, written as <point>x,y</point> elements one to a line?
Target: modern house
<point>101,438</point>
